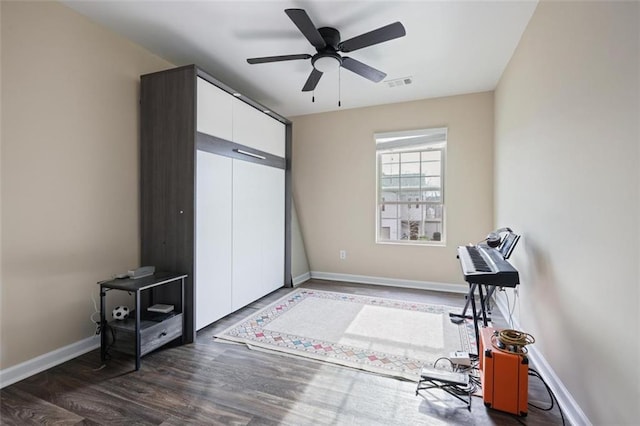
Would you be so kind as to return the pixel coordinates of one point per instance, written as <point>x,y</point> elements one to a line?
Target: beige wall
<point>69,172</point>
<point>567,139</point>
<point>566,176</point>
<point>334,185</point>
<point>299,261</point>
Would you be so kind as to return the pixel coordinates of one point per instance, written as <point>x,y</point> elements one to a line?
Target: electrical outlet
<point>343,254</point>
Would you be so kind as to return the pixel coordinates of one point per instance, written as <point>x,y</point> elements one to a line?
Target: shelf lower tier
<point>152,334</point>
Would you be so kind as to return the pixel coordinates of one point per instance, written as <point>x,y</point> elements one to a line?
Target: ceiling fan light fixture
<point>327,42</point>
<point>327,63</point>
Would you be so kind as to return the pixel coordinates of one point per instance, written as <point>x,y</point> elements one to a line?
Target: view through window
<point>410,186</point>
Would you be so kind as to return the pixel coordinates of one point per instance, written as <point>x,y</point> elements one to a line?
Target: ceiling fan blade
<point>363,70</point>
<point>266,59</point>
<point>312,81</point>
<point>382,34</point>
<point>306,27</point>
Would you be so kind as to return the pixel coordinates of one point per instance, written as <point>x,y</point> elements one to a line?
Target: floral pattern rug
<point>384,336</point>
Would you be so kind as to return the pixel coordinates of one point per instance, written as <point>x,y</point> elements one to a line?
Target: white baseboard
<point>570,408</point>
<point>392,282</point>
<point>301,278</point>
<point>572,411</point>
<point>18,372</point>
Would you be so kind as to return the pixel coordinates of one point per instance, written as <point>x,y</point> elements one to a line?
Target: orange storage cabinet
<point>504,376</point>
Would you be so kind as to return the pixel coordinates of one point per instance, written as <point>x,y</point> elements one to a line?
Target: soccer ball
<point>120,312</point>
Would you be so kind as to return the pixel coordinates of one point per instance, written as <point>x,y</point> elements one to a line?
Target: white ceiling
<point>451,47</point>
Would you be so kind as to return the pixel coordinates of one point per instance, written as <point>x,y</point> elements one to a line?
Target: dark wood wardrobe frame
<point>168,147</point>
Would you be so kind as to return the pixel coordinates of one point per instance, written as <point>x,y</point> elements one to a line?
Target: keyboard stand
<point>448,381</point>
<point>483,310</point>
<point>490,289</point>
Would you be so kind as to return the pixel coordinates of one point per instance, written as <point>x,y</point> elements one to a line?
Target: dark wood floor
<point>208,383</point>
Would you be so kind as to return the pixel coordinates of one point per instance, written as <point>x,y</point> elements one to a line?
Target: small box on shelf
<point>162,308</point>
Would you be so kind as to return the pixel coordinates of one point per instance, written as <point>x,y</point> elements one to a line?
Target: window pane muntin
<point>410,183</point>
<point>410,157</point>
<point>411,168</point>
<point>431,196</point>
<point>431,155</point>
<point>431,182</point>
<point>431,168</point>
<point>389,158</point>
<point>390,169</point>
<point>388,182</point>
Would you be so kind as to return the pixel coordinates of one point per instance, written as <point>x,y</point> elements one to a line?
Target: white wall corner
<point>572,412</point>
<point>11,375</point>
<point>301,278</point>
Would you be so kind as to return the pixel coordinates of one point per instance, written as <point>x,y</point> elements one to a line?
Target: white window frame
<point>422,140</point>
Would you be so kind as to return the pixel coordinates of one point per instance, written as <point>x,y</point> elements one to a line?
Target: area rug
<point>384,336</point>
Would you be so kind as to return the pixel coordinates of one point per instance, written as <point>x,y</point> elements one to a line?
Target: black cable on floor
<point>554,400</point>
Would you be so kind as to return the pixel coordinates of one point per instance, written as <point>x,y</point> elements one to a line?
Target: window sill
<point>414,243</point>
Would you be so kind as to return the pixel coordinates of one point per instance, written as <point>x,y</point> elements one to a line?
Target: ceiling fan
<point>327,42</point>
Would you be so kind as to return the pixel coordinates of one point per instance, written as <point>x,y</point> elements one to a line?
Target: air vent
<point>399,82</point>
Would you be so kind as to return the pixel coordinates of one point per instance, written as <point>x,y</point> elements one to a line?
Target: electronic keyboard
<point>485,265</point>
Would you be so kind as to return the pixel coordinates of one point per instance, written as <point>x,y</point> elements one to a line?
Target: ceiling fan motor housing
<point>327,58</point>
<point>331,36</point>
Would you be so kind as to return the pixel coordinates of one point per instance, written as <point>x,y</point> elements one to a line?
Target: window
<point>410,186</point>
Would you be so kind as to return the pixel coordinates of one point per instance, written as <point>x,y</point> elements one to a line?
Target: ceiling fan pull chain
<point>313,96</point>
<point>339,86</point>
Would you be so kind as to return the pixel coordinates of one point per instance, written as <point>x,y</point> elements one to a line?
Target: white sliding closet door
<point>258,231</point>
<point>213,237</point>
